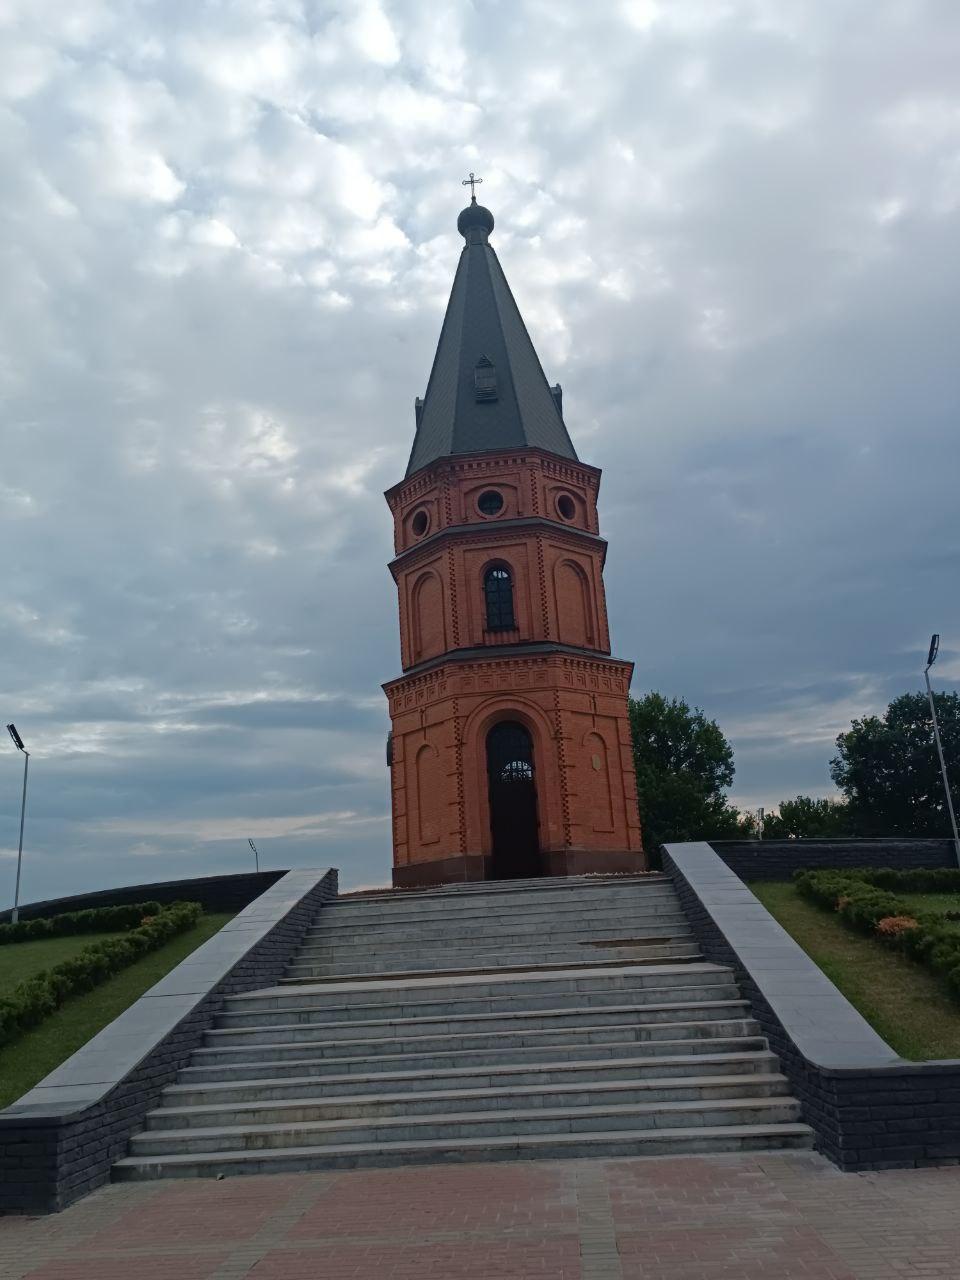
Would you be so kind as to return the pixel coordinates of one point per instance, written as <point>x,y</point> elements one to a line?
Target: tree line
<point>886,771</point>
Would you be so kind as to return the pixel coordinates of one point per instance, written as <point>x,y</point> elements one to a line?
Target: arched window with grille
<point>498,594</point>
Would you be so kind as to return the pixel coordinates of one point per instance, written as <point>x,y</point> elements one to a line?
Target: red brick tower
<point>510,752</point>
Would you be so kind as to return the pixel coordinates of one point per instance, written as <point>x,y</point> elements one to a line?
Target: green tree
<point>809,818</point>
<point>887,767</point>
<point>683,764</point>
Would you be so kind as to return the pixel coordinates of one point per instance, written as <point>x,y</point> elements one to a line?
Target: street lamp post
<point>256,854</point>
<point>18,743</point>
<point>931,659</point>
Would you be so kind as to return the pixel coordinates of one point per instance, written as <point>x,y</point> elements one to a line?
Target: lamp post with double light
<point>18,743</point>
<point>931,659</point>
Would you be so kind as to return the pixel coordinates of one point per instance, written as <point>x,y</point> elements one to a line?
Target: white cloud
<point>232,828</point>
<point>226,240</point>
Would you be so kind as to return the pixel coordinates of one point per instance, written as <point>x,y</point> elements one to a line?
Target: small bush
<point>91,920</point>
<point>894,926</point>
<point>38,997</point>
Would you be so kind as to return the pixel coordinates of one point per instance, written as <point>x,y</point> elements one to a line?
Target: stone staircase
<point>506,1020</point>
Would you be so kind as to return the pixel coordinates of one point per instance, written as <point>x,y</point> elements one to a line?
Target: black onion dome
<point>475,215</point>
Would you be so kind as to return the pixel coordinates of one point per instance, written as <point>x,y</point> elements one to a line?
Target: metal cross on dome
<point>472,183</point>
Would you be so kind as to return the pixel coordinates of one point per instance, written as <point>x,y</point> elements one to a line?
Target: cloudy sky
<point>227,235</point>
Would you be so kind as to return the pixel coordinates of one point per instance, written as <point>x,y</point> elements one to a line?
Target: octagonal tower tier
<point>510,751</point>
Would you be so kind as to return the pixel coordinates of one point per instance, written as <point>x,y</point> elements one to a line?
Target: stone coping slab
<point>822,1023</point>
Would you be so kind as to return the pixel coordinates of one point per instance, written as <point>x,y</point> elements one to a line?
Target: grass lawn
<point>21,960</point>
<point>905,1003</point>
<point>36,1053</point>
<point>934,902</point>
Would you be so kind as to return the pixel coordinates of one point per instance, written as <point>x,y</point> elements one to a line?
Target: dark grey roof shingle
<point>483,320</point>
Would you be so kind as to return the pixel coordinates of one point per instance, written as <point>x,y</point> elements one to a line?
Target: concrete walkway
<point>763,1217</point>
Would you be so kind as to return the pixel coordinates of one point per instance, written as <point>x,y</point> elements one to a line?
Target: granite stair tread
<point>514,1020</point>
<point>708,1139</point>
<point>594,1066</point>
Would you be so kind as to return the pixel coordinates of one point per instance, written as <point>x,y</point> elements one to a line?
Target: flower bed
<point>868,900</point>
<point>32,1001</point>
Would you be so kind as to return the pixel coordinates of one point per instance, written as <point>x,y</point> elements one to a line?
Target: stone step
<point>661,929</point>
<point>312,1024</point>
<point>448,1006</point>
<point>467,1124</point>
<point>573,914</point>
<point>372,1108</point>
<point>490,1021</point>
<point>452,893</point>
<point>679,954</point>
<point>389,989</point>
<point>447,1042</point>
<point>498,900</point>
<point>606,1145</point>
<point>409,953</point>
<point>196,1092</point>
<point>457,887</point>
<point>444,1053</point>
<point>442,961</point>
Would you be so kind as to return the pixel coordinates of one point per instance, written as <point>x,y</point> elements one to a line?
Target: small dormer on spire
<point>485,379</point>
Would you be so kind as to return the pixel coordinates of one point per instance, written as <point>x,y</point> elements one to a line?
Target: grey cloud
<point>226,240</point>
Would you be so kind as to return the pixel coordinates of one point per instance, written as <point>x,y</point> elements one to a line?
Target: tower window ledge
<point>501,635</point>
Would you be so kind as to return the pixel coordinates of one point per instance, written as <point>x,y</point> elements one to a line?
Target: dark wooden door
<point>513,802</point>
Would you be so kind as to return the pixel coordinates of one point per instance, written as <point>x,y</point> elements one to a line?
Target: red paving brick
<point>462,1198</point>
<point>451,1260</point>
<point>764,1217</point>
<point>747,1252</point>
<point>198,1212</point>
<point>155,1268</point>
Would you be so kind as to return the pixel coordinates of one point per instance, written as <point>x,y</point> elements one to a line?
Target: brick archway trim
<point>550,784</point>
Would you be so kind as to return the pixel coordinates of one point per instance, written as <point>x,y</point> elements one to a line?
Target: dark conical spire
<point>487,389</point>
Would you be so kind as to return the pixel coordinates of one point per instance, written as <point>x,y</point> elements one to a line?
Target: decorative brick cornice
<point>427,685</point>
<point>571,472</point>
<point>480,464</point>
<point>460,535</point>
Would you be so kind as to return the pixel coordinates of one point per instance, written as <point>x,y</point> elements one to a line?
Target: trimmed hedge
<point>866,900</point>
<point>38,997</point>
<point>92,920</point>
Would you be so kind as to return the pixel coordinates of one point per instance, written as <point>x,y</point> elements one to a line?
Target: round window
<point>420,524</point>
<point>490,502</point>
<point>566,506</point>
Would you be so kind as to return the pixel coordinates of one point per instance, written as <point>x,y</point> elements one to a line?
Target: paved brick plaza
<point>789,1216</point>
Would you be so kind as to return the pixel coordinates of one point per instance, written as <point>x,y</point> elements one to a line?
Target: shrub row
<point>93,920</point>
<point>916,880</point>
<point>863,900</point>
<point>32,1001</point>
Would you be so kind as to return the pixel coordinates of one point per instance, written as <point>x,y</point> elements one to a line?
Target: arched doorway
<point>513,802</point>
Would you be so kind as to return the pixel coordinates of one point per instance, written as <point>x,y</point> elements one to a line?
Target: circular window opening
<point>420,523</point>
<point>566,506</point>
<point>490,502</point>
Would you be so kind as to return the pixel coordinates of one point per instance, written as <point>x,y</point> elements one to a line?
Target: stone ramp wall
<point>870,1109</point>
<point>779,859</point>
<point>59,1141</point>
<point>214,893</point>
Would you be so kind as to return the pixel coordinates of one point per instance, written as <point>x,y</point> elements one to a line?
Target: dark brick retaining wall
<point>889,1115</point>
<point>214,893</point>
<point>778,859</point>
<point>61,1152</point>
